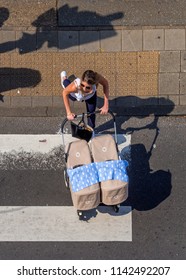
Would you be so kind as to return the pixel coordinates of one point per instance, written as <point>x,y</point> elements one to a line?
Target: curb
<point>118,110</point>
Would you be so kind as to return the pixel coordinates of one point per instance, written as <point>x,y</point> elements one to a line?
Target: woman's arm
<point>69,89</point>
<point>104,83</point>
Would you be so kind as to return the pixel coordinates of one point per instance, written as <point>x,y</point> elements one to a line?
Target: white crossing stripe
<point>61,223</point>
<point>43,152</point>
<point>44,143</point>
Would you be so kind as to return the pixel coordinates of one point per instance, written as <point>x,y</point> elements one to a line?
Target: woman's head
<point>88,80</point>
<point>89,77</point>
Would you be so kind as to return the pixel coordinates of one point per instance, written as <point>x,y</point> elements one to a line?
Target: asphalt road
<point>157,192</point>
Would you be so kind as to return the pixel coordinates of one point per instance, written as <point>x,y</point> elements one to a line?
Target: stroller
<point>94,171</point>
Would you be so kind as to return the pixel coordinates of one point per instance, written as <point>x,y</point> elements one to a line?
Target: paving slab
<point>170,61</point>
<point>175,39</point>
<point>168,83</point>
<point>153,39</point>
<point>132,40</point>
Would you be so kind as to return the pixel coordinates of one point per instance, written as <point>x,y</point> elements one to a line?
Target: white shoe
<point>63,76</point>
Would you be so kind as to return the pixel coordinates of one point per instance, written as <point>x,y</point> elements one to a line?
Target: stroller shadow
<point>104,209</point>
<point>147,188</point>
<point>89,214</point>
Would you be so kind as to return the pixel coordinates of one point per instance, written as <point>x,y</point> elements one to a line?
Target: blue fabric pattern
<point>89,174</point>
<point>112,170</point>
<point>83,176</point>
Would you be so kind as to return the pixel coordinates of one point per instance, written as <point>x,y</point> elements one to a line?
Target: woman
<point>84,89</point>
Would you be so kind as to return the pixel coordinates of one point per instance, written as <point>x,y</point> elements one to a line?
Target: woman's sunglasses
<point>86,87</point>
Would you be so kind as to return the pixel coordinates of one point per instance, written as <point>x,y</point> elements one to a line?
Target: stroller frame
<point>66,178</point>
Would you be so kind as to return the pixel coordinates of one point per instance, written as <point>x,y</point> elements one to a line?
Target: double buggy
<point>94,171</point>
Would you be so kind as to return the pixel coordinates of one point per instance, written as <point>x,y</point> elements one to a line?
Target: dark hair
<point>90,77</point>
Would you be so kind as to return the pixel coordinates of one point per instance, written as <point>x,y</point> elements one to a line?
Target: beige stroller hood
<point>78,154</point>
<point>104,148</point>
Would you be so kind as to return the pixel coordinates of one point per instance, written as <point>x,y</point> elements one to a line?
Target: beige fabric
<point>104,148</point>
<point>78,153</point>
<point>113,192</point>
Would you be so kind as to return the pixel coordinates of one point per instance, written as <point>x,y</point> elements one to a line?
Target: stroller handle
<point>85,114</point>
<point>89,114</point>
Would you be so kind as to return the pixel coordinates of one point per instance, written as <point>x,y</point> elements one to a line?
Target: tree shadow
<point>30,42</point>
<point>72,17</point>
<point>147,188</point>
<point>15,78</point>
<point>4,15</point>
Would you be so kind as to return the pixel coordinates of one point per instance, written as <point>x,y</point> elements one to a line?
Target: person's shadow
<point>30,42</point>
<point>147,188</point>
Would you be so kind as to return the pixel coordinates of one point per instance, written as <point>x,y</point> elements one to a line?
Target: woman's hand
<point>71,116</point>
<point>104,110</point>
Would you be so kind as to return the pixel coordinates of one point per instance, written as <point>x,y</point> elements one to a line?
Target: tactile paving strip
<point>148,62</point>
<point>38,74</point>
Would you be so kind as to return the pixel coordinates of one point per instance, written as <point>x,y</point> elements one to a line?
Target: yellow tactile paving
<point>147,84</point>
<point>126,84</point>
<point>126,62</point>
<point>129,73</point>
<point>148,62</point>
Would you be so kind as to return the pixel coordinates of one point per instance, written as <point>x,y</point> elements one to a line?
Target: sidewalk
<point>140,48</point>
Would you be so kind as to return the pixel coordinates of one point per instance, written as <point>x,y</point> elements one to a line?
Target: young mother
<point>84,89</point>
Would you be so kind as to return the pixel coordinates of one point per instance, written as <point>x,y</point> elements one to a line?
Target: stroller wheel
<point>116,208</point>
<point>66,179</point>
<point>80,214</point>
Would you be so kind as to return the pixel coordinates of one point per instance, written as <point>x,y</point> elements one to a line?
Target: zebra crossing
<point>56,223</point>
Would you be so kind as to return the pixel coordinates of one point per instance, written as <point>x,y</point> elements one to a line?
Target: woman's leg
<point>65,84</point>
<point>91,107</point>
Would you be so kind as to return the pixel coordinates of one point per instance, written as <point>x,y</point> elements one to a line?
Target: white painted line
<point>61,223</point>
<point>43,143</point>
<point>43,152</point>
<point>29,143</point>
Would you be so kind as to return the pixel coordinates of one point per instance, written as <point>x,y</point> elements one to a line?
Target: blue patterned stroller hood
<point>95,172</point>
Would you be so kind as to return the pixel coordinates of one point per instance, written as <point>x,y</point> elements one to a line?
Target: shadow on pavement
<point>30,41</point>
<point>4,15</point>
<point>147,188</point>
<point>15,78</point>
